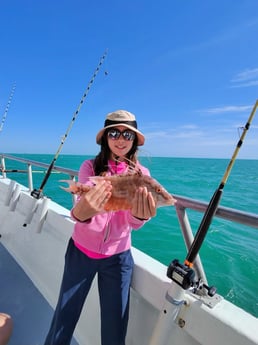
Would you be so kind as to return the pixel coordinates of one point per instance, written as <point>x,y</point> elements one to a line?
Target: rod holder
<point>10,192</point>
<point>15,197</point>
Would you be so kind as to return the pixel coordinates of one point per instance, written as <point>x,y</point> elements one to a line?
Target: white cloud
<point>189,134</point>
<point>246,78</point>
<point>157,134</point>
<point>246,75</point>
<point>186,131</point>
<point>227,109</point>
<point>189,126</point>
<point>247,84</point>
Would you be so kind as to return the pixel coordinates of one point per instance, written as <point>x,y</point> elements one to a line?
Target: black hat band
<point>130,123</point>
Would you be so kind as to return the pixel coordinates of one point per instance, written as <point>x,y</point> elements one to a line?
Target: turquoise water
<point>229,252</point>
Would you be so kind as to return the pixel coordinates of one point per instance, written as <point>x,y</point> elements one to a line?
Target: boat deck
<point>31,313</point>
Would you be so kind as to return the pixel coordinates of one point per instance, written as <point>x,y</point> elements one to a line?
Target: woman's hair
<point>100,163</point>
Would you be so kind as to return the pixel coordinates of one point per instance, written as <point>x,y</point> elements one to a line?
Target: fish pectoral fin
<point>70,184</point>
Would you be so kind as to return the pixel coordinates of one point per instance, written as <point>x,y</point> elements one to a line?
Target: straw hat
<point>121,118</point>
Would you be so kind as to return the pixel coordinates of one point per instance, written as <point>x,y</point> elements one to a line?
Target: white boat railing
<point>183,203</point>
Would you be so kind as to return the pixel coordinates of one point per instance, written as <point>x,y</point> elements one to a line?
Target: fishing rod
<point>185,272</point>
<point>37,193</point>
<point>7,107</point>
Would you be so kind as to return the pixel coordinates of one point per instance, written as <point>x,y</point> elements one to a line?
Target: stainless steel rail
<point>70,172</point>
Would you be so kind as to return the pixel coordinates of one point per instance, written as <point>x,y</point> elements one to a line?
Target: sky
<point>188,70</point>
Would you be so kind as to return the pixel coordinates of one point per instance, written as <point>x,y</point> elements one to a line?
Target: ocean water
<point>229,252</point>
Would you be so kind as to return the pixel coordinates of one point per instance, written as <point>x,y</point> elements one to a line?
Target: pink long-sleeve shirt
<point>107,233</point>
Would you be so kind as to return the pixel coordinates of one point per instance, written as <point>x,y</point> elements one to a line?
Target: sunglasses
<point>115,134</point>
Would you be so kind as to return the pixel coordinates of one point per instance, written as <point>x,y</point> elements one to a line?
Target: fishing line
<point>38,193</point>
<point>214,202</point>
<point>7,107</point>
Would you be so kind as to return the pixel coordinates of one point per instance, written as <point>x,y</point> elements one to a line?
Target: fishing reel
<point>181,274</point>
<point>37,194</point>
<point>184,276</point>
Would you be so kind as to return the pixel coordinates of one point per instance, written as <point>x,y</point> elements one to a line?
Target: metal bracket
<point>211,302</point>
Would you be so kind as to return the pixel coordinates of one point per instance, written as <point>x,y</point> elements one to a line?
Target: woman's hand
<point>92,202</point>
<point>144,206</point>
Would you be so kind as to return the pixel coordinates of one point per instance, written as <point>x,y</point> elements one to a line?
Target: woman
<point>101,241</point>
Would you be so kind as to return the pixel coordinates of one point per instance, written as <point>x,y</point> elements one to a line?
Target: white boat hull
<point>39,248</point>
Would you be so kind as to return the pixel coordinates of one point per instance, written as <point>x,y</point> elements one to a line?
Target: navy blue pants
<point>114,279</point>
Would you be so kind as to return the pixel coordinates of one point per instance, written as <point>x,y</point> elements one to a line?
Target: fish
<point>123,190</point>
